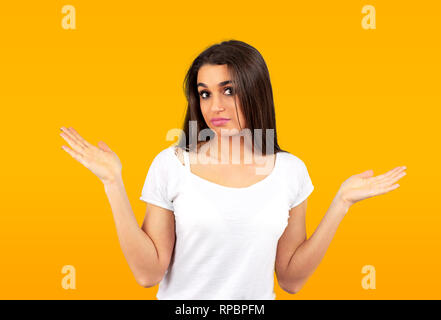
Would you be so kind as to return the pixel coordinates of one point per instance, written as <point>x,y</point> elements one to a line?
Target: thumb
<point>104,146</point>
<point>366,174</point>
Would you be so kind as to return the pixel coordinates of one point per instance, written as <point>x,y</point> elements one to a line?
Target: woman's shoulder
<point>293,165</point>
<point>290,160</point>
<point>169,157</point>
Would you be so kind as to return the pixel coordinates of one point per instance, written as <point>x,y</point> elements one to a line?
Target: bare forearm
<point>309,254</point>
<point>138,248</point>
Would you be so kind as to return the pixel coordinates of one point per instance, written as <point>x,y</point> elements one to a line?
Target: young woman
<point>216,227</point>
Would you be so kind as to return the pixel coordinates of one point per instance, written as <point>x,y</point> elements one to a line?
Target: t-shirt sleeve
<point>302,186</point>
<point>155,189</point>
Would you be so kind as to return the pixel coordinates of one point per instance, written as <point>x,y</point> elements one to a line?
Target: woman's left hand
<point>364,185</point>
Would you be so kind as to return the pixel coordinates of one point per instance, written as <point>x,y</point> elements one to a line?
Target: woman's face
<point>217,98</point>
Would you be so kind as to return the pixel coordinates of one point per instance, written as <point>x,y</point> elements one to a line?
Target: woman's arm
<point>138,247</point>
<point>147,265</point>
<point>298,257</point>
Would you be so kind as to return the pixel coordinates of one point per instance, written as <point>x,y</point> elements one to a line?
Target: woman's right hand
<point>102,161</point>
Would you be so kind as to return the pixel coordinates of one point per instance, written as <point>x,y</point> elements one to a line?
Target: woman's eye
<point>202,93</point>
<point>231,90</point>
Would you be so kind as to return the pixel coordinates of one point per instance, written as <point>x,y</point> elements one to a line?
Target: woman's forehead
<point>213,74</point>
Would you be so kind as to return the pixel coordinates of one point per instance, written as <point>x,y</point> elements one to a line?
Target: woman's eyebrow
<point>221,84</point>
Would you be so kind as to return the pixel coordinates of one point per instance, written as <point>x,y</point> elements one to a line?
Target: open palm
<point>101,160</point>
<point>364,185</point>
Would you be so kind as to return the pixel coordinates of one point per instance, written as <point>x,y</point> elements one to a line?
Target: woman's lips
<point>219,121</point>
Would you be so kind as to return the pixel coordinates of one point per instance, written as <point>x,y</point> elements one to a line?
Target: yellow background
<point>347,100</point>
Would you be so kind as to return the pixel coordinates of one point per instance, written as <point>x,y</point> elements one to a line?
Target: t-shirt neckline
<point>258,183</point>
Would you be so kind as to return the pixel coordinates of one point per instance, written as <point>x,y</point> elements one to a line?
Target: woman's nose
<point>217,103</point>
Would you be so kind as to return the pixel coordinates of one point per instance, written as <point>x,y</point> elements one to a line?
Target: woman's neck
<point>230,149</point>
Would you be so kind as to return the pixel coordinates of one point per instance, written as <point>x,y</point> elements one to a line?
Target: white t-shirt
<point>226,237</point>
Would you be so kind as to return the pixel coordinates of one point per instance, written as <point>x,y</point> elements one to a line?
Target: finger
<point>76,155</point>
<point>72,135</point>
<point>74,145</point>
<point>384,189</point>
<point>388,174</point>
<point>67,133</point>
<point>387,183</point>
<point>395,178</point>
<point>80,138</point>
<point>387,189</point>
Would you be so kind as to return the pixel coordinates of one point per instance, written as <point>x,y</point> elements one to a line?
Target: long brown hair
<point>251,77</point>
